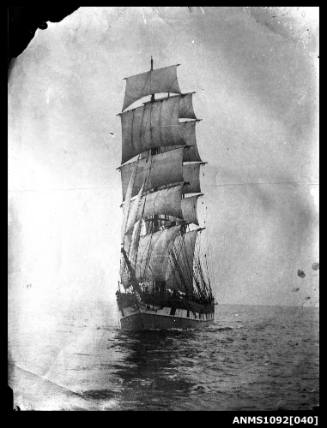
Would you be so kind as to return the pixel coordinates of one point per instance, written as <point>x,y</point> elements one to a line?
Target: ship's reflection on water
<point>147,370</point>
<point>153,370</point>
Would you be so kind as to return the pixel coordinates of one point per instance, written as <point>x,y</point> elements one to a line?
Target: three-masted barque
<point>164,283</point>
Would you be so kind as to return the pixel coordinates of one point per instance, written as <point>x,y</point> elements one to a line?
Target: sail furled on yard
<point>149,83</point>
<point>153,254</point>
<point>156,124</point>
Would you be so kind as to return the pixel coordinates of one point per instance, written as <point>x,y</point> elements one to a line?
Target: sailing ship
<point>164,276</point>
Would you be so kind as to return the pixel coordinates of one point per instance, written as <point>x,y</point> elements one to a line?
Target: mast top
<point>151,63</point>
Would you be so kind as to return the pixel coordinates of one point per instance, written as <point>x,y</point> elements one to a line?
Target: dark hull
<point>140,316</point>
<point>150,321</point>
<point>162,313</point>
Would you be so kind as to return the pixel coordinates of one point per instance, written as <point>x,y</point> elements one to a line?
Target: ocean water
<point>251,358</point>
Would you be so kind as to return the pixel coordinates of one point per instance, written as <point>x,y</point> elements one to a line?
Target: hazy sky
<point>255,74</point>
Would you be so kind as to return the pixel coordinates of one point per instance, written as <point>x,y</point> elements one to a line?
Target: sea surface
<point>251,358</point>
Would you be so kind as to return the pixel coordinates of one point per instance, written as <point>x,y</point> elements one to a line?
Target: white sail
<point>155,125</point>
<point>191,175</point>
<point>156,204</point>
<point>135,243</point>
<point>153,254</point>
<point>124,273</point>
<point>129,216</point>
<point>191,153</point>
<point>185,109</point>
<point>151,82</point>
<point>132,211</point>
<point>189,209</point>
<point>179,106</point>
<point>136,211</point>
<point>183,249</point>
<point>166,168</point>
<point>126,206</point>
<point>166,202</point>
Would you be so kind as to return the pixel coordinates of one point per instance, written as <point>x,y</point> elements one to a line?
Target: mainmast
<point>155,150</point>
<point>154,227</point>
<point>161,187</point>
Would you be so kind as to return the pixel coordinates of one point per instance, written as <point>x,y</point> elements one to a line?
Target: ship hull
<point>160,319</point>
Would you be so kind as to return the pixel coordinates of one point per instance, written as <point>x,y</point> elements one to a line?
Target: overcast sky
<point>254,71</point>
